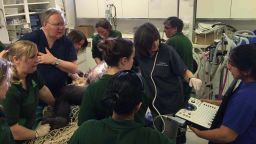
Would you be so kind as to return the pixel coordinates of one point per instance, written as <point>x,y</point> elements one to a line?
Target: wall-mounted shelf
<point>13,5</point>
<point>23,15</point>
<point>15,15</point>
<point>39,3</point>
<point>33,13</point>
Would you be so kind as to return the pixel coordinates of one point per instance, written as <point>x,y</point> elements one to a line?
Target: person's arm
<point>22,133</point>
<point>188,74</point>
<point>48,58</point>
<point>66,66</point>
<point>182,69</point>
<point>218,135</point>
<point>46,95</point>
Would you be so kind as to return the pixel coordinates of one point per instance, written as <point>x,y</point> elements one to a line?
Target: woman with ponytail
<point>118,54</point>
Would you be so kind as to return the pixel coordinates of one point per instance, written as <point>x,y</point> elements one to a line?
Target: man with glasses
<point>57,56</point>
<point>173,30</point>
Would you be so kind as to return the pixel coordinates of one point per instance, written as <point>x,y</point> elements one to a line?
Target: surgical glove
<point>195,83</point>
<point>42,130</point>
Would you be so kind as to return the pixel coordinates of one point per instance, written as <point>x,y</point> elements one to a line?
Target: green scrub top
<point>184,48</point>
<point>20,104</point>
<point>92,108</point>
<point>5,132</point>
<point>109,131</point>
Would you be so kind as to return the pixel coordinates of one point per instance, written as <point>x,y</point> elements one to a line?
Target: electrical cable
<point>155,89</point>
<point>240,33</point>
<point>241,39</point>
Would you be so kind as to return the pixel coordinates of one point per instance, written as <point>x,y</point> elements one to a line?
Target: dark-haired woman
<point>118,54</point>
<point>78,38</point>
<point>237,125</point>
<point>124,95</point>
<point>163,71</point>
<point>5,77</point>
<point>104,30</point>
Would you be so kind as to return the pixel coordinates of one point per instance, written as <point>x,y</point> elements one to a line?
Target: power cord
<point>155,89</point>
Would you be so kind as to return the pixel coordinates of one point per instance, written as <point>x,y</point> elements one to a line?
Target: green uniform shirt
<point>96,39</point>
<point>5,132</point>
<point>184,48</point>
<point>20,104</point>
<point>92,108</point>
<point>108,131</point>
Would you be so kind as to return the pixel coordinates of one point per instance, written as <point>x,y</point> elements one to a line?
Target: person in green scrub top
<point>124,96</point>
<point>105,31</point>
<point>5,76</point>
<point>173,27</point>
<point>118,54</point>
<point>25,90</point>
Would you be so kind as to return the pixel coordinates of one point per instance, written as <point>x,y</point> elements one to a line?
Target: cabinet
<point>87,8</point>
<point>127,8</point>
<point>243,9</point>
<point>95,8</point>
<point>162,8</point>
<point>135,8</point>
<point>22,16</point>
<point>213,8</point>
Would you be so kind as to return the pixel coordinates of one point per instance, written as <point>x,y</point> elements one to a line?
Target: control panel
<point>199,114</point>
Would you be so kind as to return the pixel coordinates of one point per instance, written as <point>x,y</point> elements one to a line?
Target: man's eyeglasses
<point>57,24</point>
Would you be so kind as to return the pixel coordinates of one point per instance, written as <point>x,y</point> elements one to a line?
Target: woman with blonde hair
<point>25,90</point>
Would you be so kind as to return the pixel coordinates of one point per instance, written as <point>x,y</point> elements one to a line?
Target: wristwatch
<point>56,62</point>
